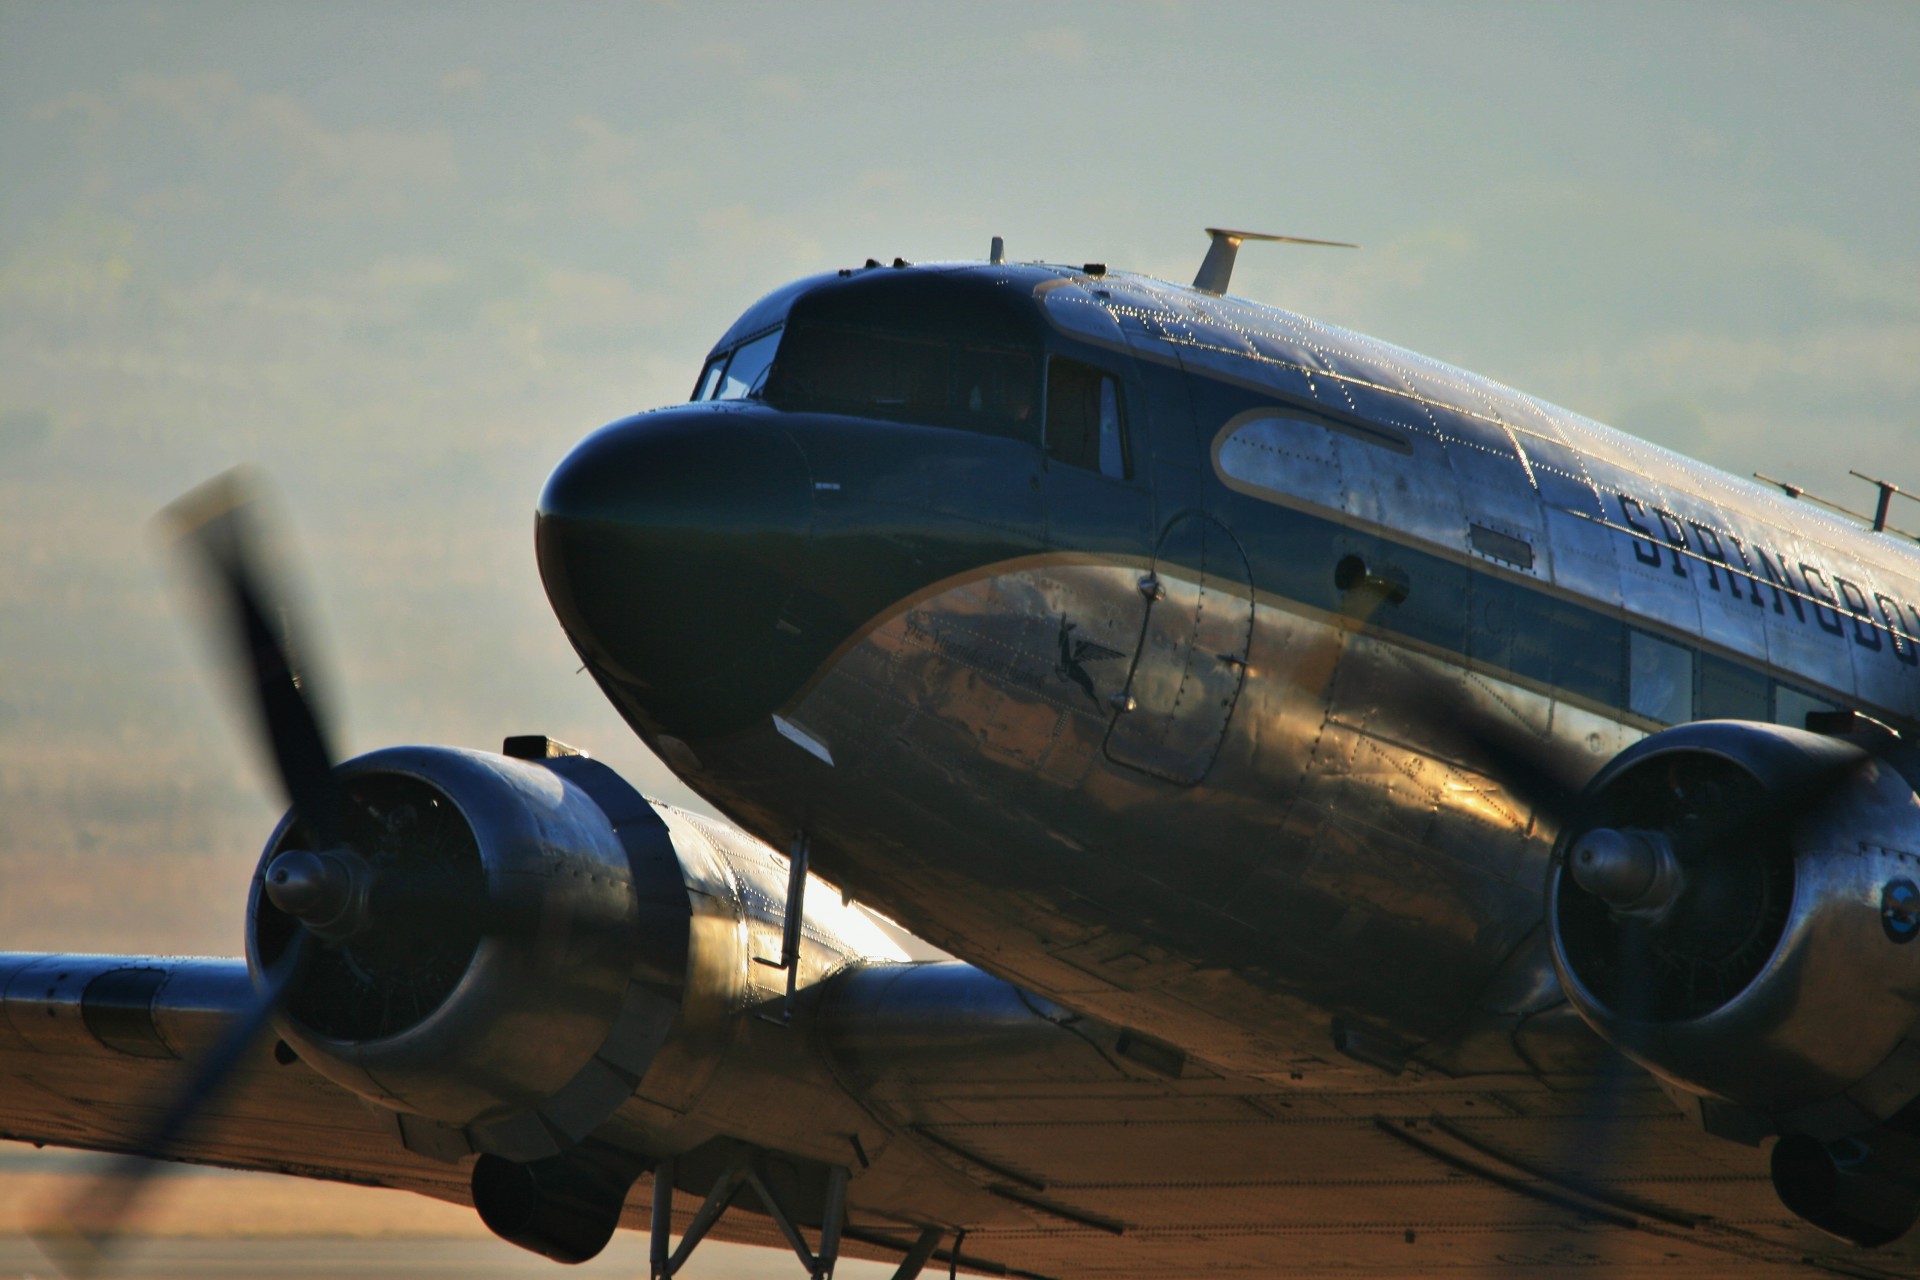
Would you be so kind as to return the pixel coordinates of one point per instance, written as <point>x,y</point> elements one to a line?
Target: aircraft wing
<point>93,1049</point>
<point>1063,1148</point>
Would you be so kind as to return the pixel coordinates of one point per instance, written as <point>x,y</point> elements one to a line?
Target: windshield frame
<point>717,378</point>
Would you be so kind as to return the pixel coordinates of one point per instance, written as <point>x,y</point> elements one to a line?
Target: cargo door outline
<point>1191,661</point>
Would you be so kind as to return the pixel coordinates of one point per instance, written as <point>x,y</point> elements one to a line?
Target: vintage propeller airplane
<point>1389,825</point>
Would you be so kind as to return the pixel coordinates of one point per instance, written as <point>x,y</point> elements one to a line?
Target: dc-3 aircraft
<point>1389,825</point>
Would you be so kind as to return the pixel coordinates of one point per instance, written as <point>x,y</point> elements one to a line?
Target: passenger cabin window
<point>906,377</point>
<point>740,373</point>
<point>1729,691</point>
<point>1084,425</point>
<point>1791,706</point>
<point>1659,679</point>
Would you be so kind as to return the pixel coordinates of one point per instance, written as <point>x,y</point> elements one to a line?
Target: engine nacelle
<point>530,968</point>
<point>1733,907</point>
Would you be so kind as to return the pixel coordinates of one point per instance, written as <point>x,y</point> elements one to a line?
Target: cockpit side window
<point>993,390</point>
<point>1085,426</point>
<point>710,377</point>
<point>832,367</point>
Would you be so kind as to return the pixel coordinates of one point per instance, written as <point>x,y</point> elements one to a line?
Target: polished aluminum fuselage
<point>1204,791</point>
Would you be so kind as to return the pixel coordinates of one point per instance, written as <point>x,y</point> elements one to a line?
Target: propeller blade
<point>1445,719</point>
<point>80,1240</point>
<point>219,523</point>
<point>1513,757</point>
<point>220,526</point>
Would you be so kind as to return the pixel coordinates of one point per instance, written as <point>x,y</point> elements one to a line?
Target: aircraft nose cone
<point>670,544</point>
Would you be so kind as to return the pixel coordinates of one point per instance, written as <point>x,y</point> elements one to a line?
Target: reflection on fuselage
<point>1104,712</point>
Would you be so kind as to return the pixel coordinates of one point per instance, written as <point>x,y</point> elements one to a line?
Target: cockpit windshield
<point>907,377</point>
<point>740,373</point>
<point>900,345</point>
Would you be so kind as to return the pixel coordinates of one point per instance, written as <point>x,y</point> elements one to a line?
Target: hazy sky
<point>404,256</point>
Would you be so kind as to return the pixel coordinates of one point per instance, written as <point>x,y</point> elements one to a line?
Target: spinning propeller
<point>332,886</point>
<point>1677,865</point>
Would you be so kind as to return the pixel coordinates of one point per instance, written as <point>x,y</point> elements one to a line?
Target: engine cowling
<point>510,951</point>
<point>1732,907</point>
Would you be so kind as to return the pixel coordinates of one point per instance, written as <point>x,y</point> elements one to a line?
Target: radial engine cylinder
<point>498,945</point>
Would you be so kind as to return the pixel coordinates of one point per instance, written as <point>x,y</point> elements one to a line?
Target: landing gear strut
<point>790,935</point>
<point>739,1174</point>
<point>742,1171</point>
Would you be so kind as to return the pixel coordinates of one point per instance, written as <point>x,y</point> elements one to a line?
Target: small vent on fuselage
<point>1500,546</point>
